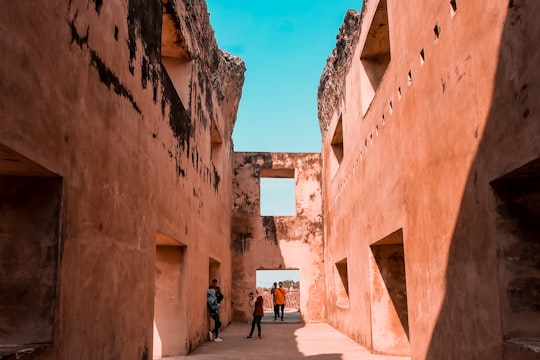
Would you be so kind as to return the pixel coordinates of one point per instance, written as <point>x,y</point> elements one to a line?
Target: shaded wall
<point>455,109</point>
<point>84,95</point>
<point>29,240</point>
<point>278,242</point>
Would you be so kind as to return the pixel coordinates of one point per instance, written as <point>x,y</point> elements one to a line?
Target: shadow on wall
<point>491,307</point>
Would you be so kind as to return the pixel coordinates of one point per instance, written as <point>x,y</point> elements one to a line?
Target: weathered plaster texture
<point>85,95</point>
<point>455,108</point>
<point>278,242</point>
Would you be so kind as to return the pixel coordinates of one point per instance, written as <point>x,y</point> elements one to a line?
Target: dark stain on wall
<point>99,4</point>
<point>75,36</point>
<point>252,159</point>
<point>270,233</point>
<point>240,242</point>
<point>180,171</point>
<point>217,179</point>
<point>107,77</point>
<point>144,24</point>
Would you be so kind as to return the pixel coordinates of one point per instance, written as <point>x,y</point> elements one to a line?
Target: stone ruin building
<point>416,230</point>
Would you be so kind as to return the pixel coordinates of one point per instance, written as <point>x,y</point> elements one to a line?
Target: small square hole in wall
<point>453,7</point>
<point>437,31</point>
<point>277,192</point>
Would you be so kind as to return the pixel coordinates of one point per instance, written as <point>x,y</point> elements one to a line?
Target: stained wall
<point>278,242</point>
<point>130,105</point>
<point>429,115</point>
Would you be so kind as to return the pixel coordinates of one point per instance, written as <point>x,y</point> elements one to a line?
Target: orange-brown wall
<point>421,161</point>
<point>84,95</point>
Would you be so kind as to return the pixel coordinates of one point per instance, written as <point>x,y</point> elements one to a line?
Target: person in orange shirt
<point>279,296</point>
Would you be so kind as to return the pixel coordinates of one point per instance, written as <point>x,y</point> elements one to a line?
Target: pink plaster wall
<point>84,95</point>
<point>422,159</point>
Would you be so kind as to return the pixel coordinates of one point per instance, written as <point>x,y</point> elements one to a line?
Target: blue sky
<point>284,44</point>
<point>265,278</point>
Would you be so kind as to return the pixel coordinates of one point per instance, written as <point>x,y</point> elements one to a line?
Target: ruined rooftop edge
<point>337,65</point>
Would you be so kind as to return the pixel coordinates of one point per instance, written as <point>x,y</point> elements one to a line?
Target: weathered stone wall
<point>278,242</point>
<point>456,107</point>
<point>144,158</point>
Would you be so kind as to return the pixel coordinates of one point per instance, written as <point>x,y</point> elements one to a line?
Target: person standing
<point>279,296</point>
<point>276,308</point>
<point>258,311</point>
<point>213,308</point>
<point>219,295</point>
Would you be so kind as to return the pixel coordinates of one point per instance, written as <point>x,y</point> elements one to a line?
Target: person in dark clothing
<point>258,312</point>
<point>219,295</point>
<point>213,308</point>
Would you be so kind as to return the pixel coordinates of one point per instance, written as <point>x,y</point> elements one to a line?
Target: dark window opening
<point>341,281</point>
<point>518,254</point>
<point>30,225</point>
<point>337,148</point>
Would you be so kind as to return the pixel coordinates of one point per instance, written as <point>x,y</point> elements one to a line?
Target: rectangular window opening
<point>175,56</point>
<point>388,281</point>
<point>169,328</point>
<point>518,253</point>
<point>30,225</point>
<point>337,148</point>
<point>268,279</point>
<point>341,281</point>
<point>375,55</point>
<point>277,192</point>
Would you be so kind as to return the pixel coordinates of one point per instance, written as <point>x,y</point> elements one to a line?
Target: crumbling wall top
<point>337,65</point>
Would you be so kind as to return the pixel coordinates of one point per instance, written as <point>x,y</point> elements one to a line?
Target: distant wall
<point>278,242</point>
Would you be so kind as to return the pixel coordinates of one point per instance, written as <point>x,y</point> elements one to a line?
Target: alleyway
<point>283,341</point>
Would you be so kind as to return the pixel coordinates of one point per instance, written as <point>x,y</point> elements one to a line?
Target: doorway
<point>170,298</point>
<point>291,283</point>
